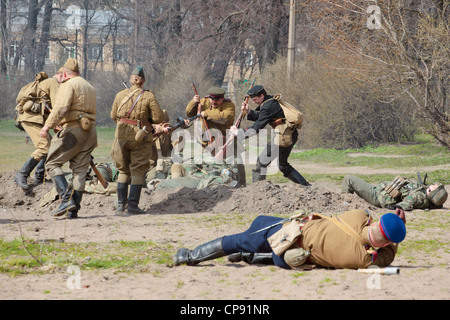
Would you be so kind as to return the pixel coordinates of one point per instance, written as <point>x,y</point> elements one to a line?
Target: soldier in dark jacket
<point>269,112</point>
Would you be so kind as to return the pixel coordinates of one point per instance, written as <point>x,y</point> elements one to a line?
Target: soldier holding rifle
<point>269,112</point>
<point>217,113</point>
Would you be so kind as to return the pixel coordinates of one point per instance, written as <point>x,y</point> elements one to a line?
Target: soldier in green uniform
<point>32,113</point>
<point>74,111</point>
<point>217,111</point>
<point>196,176</point>
<point>413,195</point>
<point>134,110</point>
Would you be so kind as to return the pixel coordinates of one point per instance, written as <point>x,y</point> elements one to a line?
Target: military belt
<point>129,121</point>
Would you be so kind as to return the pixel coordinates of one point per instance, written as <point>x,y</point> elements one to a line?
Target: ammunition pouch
<point>36,107</point>
<point>85,123</point>
<point>284,238</point>
<point>27,105</point>
<point>393,189</point>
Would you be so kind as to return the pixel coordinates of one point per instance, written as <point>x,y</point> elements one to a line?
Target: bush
<point>338,112</point>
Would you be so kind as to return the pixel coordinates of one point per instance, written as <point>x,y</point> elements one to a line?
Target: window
<point>95,53</point>
<point>120,54</point>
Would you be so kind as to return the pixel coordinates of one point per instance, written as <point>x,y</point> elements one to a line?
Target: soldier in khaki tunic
<point>217,111</point>
<point>321,242</point>
<point>74,110</point>
<point>134,110</point>
<point>32,112</point>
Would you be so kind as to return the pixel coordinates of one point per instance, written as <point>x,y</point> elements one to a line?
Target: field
<point>102,255</point>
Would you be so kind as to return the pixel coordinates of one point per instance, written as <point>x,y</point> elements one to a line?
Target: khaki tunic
<point>331,247</point>
<point>132,158</point>
<point>33,122</point>
<point>220,118</point>
<point>76,97</point>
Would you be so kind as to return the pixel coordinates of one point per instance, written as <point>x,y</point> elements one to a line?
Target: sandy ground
<point>173,218</point>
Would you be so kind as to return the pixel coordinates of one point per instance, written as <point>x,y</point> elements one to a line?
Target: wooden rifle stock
<point>100,177</point>
<point>237,124</point>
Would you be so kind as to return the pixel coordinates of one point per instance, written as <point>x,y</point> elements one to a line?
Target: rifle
<point>422,183</point>
<point>237,124</point>
<point>199,111</point>
<point>180,124</point>
<point>100,177</point>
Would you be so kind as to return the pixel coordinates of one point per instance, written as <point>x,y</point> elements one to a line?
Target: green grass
<point>15,150</point>
<point>28,256</point>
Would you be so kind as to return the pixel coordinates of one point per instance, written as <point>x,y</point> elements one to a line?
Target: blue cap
<point>393,227</point>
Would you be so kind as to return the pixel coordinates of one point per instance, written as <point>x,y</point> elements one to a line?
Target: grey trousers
<point>366,191</point>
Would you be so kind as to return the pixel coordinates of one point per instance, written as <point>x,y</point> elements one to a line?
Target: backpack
<point>28,93</point>
<point>293,116</point>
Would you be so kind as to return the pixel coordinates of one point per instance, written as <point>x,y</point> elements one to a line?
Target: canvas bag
<point>293,121</point>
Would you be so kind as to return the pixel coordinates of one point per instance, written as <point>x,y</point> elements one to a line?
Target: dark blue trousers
<point>257,242</point>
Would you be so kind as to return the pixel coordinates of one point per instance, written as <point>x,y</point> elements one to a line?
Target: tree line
<point>379,68</point>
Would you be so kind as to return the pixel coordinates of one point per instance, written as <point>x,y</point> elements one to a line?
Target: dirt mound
<point>263,197</point>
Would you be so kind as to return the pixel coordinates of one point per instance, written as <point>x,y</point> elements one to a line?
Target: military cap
<point>392,227</point>
<point>439,195</point>
<point>216,93</point>
<point>255,90</point>
<point>139,71</point>
<point>71,64</point>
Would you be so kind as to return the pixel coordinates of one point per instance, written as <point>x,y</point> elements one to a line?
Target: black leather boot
<point>208,251</point>
<point>252,258</point>
<point>21,177</point>
<point>133,200</point>
<point>65,193</point>
<point>39,173</point>
<point>77,196</point>
<point>296,177</point>
<point>122,196</point>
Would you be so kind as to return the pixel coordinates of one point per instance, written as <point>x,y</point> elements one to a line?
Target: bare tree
<point>400,47</point>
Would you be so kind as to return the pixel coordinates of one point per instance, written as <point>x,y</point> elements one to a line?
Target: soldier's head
<point>257,94</point>
<point>390,228</point>
<point>437,194</point>
<point>137,77</point>
<point>216,96</point>
<point>70,69</point>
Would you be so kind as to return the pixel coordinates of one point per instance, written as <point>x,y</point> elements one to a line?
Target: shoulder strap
<point>134,103</point>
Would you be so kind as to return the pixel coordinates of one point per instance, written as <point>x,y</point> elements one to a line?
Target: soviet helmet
<point>438,196</point>
<point>106,171</point>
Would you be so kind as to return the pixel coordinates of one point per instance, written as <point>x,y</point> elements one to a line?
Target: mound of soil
<point>263,197</point>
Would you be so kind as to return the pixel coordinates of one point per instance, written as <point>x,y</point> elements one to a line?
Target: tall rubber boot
<point>67,202</point>
<point>252,258</point>
<point>77,196</point>
<point>208,251</point>
<point>39,173</point>
<point>21,177</point>
<point>133,199</point>
<point>122,196</point>
<point>296,177</point>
